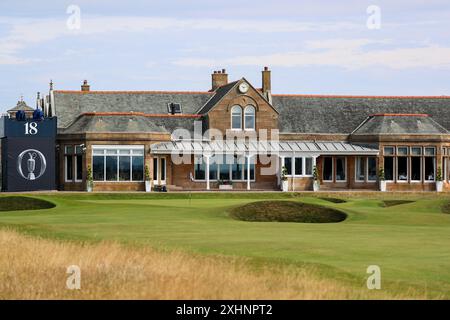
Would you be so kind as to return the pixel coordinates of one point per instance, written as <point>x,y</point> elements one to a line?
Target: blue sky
<point>312,47</point>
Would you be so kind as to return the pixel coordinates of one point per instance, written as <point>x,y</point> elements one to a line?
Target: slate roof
<point>128,123</point>
<point>399,124</point>
<point>343,114</point>
<point>21,105</point>
<point>70,104</point>
<point>218,95</point>
<point>297,113</point>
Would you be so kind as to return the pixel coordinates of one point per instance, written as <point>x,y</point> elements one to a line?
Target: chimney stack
<point>267,84</point>
<point>85,86</point>
<point>219,79</point>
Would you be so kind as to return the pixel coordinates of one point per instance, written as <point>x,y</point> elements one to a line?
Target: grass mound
<point>446,208</point>
<point>286,211</point>
<point>15,203</point>
<point>391,203</point>
<point>333,200</point>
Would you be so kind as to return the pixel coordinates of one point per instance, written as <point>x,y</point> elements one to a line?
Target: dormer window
<point>249,118</point>
<point>236,118</point>
<point>174,108</point>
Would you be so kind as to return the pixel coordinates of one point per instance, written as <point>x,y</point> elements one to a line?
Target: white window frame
<point>407,169</point>
<point>434,156</point>
<point>366,171</point>
<point>117,148</point>
<point>76,167</point>
<point>254,117</point>
<point>240,117</point>
<point>65,168</point>
<point>303,175</point>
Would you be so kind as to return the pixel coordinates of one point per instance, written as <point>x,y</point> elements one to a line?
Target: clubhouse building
<point>237,136</point>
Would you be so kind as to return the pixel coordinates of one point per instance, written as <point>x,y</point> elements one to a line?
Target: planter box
<point>89,187</point>
<point>316,186</point>
<point>383,186</point>
<point>284,186</point>
<point>148,186</point>
<point>439,186</point>
<point>225,187</point>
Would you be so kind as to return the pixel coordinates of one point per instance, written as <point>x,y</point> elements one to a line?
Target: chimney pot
<point>85,86</point>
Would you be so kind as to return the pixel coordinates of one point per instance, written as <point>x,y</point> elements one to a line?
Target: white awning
<point>283,148</point>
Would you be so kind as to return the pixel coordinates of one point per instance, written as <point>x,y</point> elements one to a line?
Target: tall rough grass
<point>33,268</point>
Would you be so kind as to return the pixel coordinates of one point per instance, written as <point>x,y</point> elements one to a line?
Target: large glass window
<point>78,167</point>
<point>298,166</point>
<point>308,166</point>
<point>416,163</point>
<point>200,169</point>
<point>137,168</point>
<point>366,169</point>
<point>237,168</point>
<point>224,169</point>
<point>118,163</point>
<point>98,168</point>
<point>360,169</point>
<point>213,168</point>
<point>155,169</point>
<point>236,118</point>
<point>111,168</point>
<point>163,169</point>
<point>288,166</point>
<point>340,169</point>
<point>124,168</point>
<point>249,118</point>
<point>372,169</point>
<point>402,168</point>
<point>389,168</point>
<point>430,164</point>
<point>327,169</point>
<point>73,160</point>
<point>69,168</point>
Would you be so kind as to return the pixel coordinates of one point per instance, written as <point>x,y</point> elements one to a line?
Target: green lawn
<point>409,241</point>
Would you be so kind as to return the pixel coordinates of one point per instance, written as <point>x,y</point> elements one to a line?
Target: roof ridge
<point>399,115</point>
<point>132,92</point>
<point>141,114</point>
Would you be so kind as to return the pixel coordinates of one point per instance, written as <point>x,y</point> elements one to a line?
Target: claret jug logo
<point>31,159</point>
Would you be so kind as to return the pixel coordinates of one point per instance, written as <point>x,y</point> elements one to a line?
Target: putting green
<point>410,242</point>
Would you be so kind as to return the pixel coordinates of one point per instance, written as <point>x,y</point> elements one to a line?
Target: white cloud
<point>348,54</point>
<point>25,32</point>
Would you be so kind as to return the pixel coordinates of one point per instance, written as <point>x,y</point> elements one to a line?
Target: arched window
<point>236,118</point>
<point>249,118</point>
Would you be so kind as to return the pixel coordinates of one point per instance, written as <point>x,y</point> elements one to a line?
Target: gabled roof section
<point>218,95</point>
<point>221,92</point>
<point>379,124</point>
<point>70,104</point>
<point>343,114</point>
